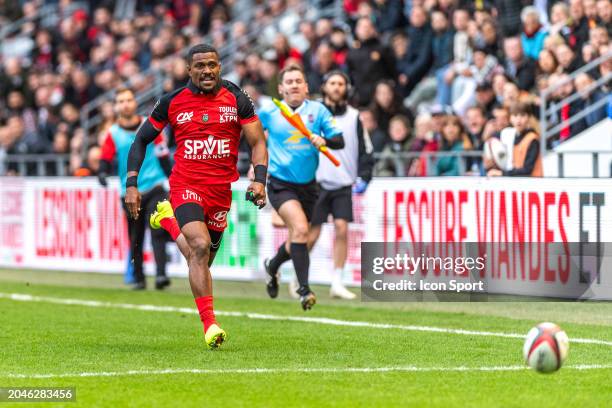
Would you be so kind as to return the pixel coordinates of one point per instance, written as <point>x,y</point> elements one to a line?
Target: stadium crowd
<point>428,75</point>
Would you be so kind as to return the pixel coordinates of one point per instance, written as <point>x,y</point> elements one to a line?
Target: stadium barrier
<point>75,225</point>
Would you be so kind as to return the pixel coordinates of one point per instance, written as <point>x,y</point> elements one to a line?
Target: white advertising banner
<point>75,225</point>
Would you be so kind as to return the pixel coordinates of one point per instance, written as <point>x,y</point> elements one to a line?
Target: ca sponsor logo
<point>220,216</point>
<point>228,114</point>
<point>190,195</point>
<point>205,149</point>
<point>184,117</point>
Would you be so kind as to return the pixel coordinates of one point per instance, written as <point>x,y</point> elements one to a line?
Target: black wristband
<point>132,181</point>
<point>261,173</point>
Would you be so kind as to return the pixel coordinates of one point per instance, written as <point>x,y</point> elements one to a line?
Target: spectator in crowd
<point>323,64</point>
<point>481,70</point>
<point>268,72</point>
<point>590,11</point>
<point>500,121</point>
<point>388,14</point>
<point>590,95</point>
<point>533,35</point>
<point>566,110</point>
<point>604,14</point>
<point>339,44</point>
<point>107,112</point>
<point>369,62</point>
<point>442,53</point>
<point>589,53</point>
<point>525,156</point>
<point>439,113</point>
<point>418,58</point>
<point>518,67</point>
<point>509,16</point>
<point>391,164</point>
<point>56,65</point>
<point>568,62</point>
<point>485,97</point>
<point>399,46</point>
<point>454,139</point>
<point>511,94</point>
<point>424,141</point>
<point>462,52</point>
<point>605,68</point>
<point>598,37</point>
<point>560,20</point>
<point>19,140</point>
<point>580,23</point>
<point>12,77</point>
<point>284,51</point>
<point>547,63</point>
<point>377,136</point>
<point>475,121</point>
<point>386,104</point>
<point>490,38</point>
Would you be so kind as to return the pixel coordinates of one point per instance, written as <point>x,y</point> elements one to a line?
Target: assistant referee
<point>292,187</point>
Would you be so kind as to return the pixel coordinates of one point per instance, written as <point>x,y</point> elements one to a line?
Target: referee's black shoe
<point>308,301</point>
<point>273,279</point>
<point>307,297</point>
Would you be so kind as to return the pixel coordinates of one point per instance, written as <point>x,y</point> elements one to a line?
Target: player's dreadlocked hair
<point>200,49</point>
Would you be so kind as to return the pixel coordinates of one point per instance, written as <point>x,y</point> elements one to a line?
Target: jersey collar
<point>299,107</point>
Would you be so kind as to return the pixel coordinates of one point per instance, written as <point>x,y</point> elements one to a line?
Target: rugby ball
<point>495,151</point>
<point>546,348</point>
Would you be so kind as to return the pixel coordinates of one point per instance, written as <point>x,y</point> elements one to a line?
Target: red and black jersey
<point>207,129</point>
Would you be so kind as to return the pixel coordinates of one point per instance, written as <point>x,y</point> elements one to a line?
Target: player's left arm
<point>332,135</point>
<point>254,133</point>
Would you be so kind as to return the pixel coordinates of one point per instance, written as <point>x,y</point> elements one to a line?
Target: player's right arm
<point>146,133</point>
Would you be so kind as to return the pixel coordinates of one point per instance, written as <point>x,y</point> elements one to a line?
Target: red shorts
<point>215,200</point>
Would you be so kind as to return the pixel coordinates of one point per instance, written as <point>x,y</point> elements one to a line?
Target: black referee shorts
<point>338,203</point>
<point>280,191</point>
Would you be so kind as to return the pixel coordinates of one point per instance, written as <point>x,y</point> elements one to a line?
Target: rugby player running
<point>207,117</point>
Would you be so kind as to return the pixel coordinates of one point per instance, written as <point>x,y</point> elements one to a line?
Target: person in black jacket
<point>442,53</point>
<point>369,62</point>
<point>519,68</point>
<point>418,57</point>
<point>509,15</point>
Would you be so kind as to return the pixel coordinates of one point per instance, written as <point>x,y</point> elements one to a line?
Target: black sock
<point>301,263</point>
<point>281,257</point>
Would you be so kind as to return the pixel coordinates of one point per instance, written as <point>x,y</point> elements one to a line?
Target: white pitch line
<point>317,320</point>
<point>332,370</point>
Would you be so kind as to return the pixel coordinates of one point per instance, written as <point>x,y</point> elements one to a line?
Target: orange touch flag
<point>295,120</point>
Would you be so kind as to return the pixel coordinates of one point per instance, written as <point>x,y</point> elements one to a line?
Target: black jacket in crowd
<point>368,63</point>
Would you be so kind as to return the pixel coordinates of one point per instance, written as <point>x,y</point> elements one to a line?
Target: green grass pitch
<point>115,356</point>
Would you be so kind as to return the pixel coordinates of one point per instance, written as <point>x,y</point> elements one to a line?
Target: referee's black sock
<point>281,257</point>
<point>301,263</point>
